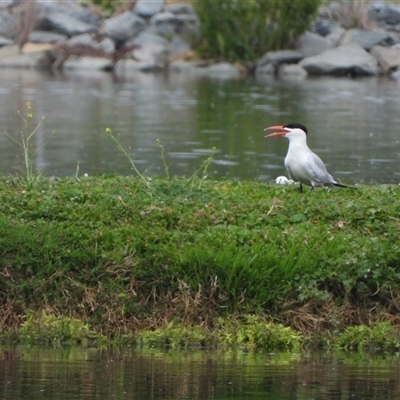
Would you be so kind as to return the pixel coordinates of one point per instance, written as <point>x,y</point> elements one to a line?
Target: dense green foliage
<point>122,254</point>
<point>245,30</point>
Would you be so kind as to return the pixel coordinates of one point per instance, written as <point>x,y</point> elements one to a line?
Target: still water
<point>75,373</point>
<point>353,123</point>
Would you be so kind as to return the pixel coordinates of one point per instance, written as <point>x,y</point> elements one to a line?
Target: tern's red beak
<point>281,131</point>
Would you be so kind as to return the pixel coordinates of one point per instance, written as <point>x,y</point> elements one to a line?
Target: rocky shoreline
<point>154,36</point>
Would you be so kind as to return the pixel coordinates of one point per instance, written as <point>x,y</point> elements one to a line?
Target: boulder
<point>291,72</point>
<point>180,8</point>
<point>65,24</point>
<point>368,39</point>
<point>146,8</point>
<point>222,70</point>
<point>347,59</point>
<point>7,23</point>
<point>166,24</point>
<point>87,63</point>
<point>384,13</point>
<point>311,44</point>
<point>46,37</point>
<point>122,26</point>
<point>5,41</point>
<point>335,36</point>
<point>280,57</point>
<point>387,57</point>
<point>152,51</point>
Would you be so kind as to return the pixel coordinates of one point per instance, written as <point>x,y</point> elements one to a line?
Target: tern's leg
<point>301,188</point>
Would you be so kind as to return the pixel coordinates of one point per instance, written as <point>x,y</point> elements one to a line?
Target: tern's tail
<point>343,186</point>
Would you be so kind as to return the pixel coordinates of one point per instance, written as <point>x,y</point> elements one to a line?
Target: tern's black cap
<point>294,125</point>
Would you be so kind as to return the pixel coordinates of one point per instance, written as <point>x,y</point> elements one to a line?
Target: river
<point>353,124</point>
<point>38,372</point>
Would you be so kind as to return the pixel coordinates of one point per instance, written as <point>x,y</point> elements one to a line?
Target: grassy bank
<point>125,254</point>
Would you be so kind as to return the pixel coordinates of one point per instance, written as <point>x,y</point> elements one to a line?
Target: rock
<point>152,51</point>
<point>335,36</point>
<point>291,72</point>
<point>311,44</point>
<point>101,43</point>
<point>382,12</point>
<point>166,24</point>
<point>266,69</point>
<point>46,37</point>
<point>280,57</point>
<point>5,41</point>
<point>347,59</point>
<point>93,63</point>
<point>9,51</point>
<point>72,8</point>
<point>7,23</point>
<point>323,27</point>
<point>180,8</point>
<point>387,57</point>
<point>123,26</point>
<point>368,39</point>
<point>28,60</point>
<point>146,8</point>
<point>222,70</point>
<point>187,67</point>
<point>176,47</point>
<point>65,24</point>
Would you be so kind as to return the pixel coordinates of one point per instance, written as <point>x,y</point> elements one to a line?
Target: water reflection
<point>74,373</point>
<point>352,123</point>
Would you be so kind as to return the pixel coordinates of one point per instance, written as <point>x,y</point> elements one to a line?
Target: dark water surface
<point>353,124</point>
<point>75,373</point>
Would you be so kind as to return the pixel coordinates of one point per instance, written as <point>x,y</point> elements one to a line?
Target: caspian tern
<point>301,163</point>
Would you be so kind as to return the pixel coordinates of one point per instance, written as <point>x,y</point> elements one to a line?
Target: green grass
<point>103,251</point>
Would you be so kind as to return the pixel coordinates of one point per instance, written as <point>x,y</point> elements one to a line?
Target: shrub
<point>244,30</point>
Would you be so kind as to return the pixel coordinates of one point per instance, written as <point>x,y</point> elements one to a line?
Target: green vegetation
<point>245,30</point>
<point>197,255</point>
<point>25,142</point>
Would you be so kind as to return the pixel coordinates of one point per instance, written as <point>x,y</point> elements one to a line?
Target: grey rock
<point>5,41</point>
<point>311,44</point>
<point>29,60</point>
<point>266,69</point>
<point>176,47</point>
<point>7,23</point>
<point>280,57</point>
<point>367,39</point>
<point>323,27</point>
<point>291,72</point>
<point>152,51</point>
<point>101,43</point>
<point>87,63</point>
<point>166,24</point>
<point>123,26</point>
<point>72,8</point>
<point>385,13</point>
<point>222,70</point>
<point>65,24</point>
<point>180,8</point>
<point>147,9</point>
<point>335,36</point>
<point>387,57</point>
<point>347,59</point>
<point>46,37</point>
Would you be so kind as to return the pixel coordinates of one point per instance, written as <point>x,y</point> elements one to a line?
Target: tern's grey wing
<point>318,170</point>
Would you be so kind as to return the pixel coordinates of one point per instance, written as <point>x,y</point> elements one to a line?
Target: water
<point>74,373</point>
<point>353,124</point>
